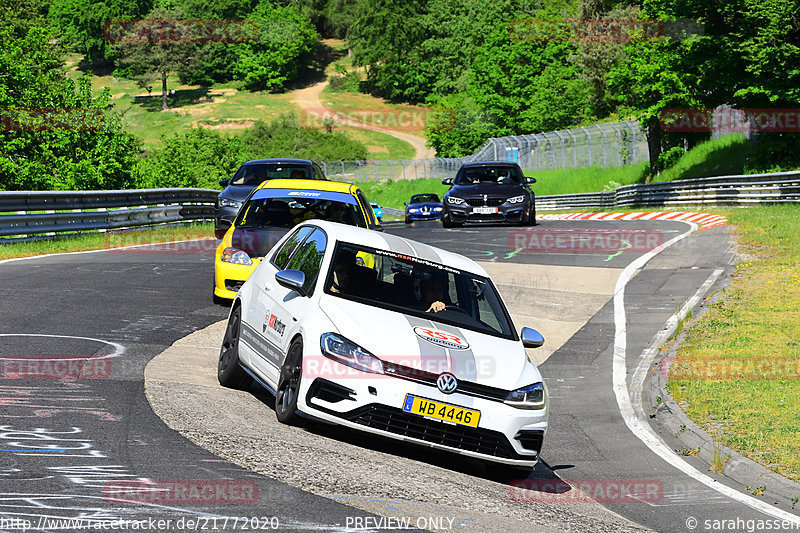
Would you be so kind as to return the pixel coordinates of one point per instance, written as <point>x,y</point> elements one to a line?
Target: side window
<point>283,254</point>
<point>308,258</point>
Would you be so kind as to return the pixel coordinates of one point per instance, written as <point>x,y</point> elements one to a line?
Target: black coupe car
<point>489,192</point>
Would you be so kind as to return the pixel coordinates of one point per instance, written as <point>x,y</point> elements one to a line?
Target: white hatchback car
<point>389,336</point>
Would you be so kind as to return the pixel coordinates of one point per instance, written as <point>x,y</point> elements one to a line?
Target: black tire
<point>229,373</point>
<point>408,220</point>
<point>446,223</point>
<point>533,215</point>
<point>289,385</point>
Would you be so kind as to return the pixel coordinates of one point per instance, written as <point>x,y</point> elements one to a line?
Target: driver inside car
<point>433,296</point>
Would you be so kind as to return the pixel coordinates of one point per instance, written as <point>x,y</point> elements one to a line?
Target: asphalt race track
<point>66,445</point>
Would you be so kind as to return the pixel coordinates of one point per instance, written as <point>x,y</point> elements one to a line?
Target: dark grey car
<point>489,192</point>
<point>249,176</point>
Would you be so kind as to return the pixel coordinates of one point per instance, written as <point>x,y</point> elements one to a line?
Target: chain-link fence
<point>394,169</point>
<point>613,144</point>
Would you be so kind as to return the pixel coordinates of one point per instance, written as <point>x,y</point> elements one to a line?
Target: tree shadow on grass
<point>314,71</point>
<point>181,98</point>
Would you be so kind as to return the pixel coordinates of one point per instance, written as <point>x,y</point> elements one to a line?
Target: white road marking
<point>119,350</point>
<point>639,426</point>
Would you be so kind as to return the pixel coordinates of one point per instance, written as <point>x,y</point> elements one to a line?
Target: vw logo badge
<point>447,383</point>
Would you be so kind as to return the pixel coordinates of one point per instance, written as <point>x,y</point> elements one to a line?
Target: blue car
<point>378,211</point>
<point>423,207</point>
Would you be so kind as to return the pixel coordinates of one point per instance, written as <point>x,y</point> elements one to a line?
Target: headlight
<point>516,199</point>
<point>530,397</point>
<point>224,202</point>
<point>236,256</point>
<point>349,353</point>
<point>437,209</point>
<point>455,201</point>
<point>413,210</point>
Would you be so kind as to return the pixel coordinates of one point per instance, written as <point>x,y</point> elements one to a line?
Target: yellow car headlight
<point>236,257</point>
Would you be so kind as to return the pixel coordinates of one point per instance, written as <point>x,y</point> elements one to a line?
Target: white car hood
<point>403,339</point>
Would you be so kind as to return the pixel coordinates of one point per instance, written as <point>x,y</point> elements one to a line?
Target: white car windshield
<point>417,287</point>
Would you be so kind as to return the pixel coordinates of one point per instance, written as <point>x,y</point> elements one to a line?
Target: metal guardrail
<point>28,215</point>
<point>749,189</point>
<point>31,215</point>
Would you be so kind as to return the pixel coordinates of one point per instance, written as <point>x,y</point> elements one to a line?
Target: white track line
<point>119,350</point>
<point>638,426</point>
<point>29,257</point>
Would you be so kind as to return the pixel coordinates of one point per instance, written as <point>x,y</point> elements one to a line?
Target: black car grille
<point>233,284</point>
<point>495,217</point>
<point>531,439</point>
<point>490,202</point>
<point>429,378</point>
<point>399,422</point>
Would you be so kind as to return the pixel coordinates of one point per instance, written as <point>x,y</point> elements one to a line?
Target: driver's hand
<point>436,307</point>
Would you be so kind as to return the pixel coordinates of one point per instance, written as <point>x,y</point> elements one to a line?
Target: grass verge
<point>737,374</point>
<point>99,241</point>
<point>588,179</point>
<point>396,193</point>
<point>725,156</point>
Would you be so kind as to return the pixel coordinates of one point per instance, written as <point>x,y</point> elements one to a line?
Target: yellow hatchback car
<point>269,212</point>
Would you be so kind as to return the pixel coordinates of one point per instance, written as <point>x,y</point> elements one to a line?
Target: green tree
<point>84,24</point>
<point>747,55</point>
<point>198,157</point>
<point>387,39</point>
<point>285,137</point>
<point>55,134</point>
<point>285,40</point>
<point>155,47</point>
<point>457,125</point>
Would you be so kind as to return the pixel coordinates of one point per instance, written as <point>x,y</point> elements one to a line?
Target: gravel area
<point>374,474</point>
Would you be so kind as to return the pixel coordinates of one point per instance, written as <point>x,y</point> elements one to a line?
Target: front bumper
<point>228,277</point>
<point>509,214</point>
<point>423,216</point>
<point>373,403</point>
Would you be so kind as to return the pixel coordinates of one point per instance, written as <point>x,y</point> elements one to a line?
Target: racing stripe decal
<point>463,361</point>
<point>398,244</point>
<point>431,357</point>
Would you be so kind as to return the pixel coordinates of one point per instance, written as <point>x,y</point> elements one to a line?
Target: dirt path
<point>309,101</point>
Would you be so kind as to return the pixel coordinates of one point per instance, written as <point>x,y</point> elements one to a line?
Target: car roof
<point>490,164</point>
<point>313,185</point>
<point>276,160</point>
<point>387,241</point>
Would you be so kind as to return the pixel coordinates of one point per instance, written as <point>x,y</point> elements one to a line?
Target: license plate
<point>484,210</point>
<point>441,411</point>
